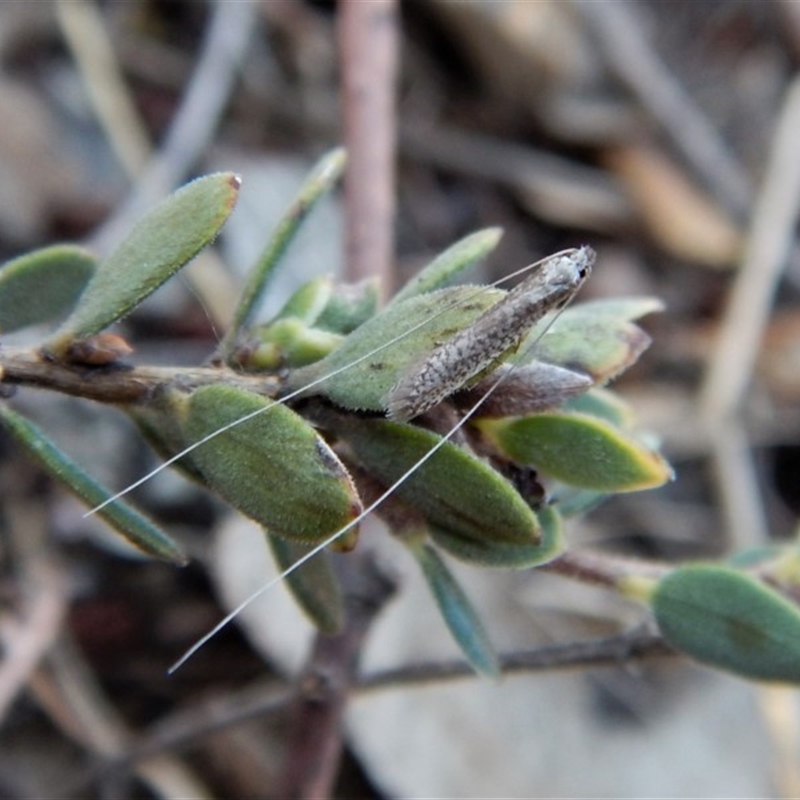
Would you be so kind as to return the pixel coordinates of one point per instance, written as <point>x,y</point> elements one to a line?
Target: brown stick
<point>118,383</point>
<point>316,738</point>
<point>368,41</point>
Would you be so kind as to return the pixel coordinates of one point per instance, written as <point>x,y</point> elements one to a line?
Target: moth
<point>499,330</point>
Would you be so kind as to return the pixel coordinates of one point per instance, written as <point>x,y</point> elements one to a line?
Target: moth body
<point>502,327</point>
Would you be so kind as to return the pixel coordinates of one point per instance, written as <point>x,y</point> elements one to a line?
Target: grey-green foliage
<point>43,285</point>
<point>299,457</point>
<point>157,247</point>
<point>730,620</point>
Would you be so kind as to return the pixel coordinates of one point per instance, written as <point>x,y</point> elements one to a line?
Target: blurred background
<point>662,134</point>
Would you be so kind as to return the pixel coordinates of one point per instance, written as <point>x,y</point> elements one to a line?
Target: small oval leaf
<point>43,285</point>
<point>605,404</point>
<point>627,309</point>
<point>160,424</point>
<point>141,532</point>
<point>350,306</point>
<point>506,555</point>
<point>457,611</point>
<point>361,372</point>
<point>729,620</point>
<point>157,247</point>
<point>572,502</point>
<point>453,489</point>
<point>309,301</point>
<point>578,450</point>
<point>296,343</point>
<point>598,337</point>
<point>313,584</point>
<point>274,467</point>
<point>451,263</point>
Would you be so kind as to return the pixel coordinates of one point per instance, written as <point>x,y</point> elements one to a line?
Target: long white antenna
<point>311,384</point>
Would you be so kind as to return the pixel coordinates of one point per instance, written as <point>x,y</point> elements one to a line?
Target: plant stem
<point>316,737</point>
<point>603,569</point>
<point>119,384</point>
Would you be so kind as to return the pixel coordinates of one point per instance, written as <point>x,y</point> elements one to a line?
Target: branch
<point>612,651</point>
<point>120,383</point>
<point>603,569</point>
<point>185,727</point>
<point>316,736</point>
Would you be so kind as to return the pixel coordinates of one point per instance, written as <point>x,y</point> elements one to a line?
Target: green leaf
<point>578,450</point>
<point>456,491</point>
<point>313,584</point>
<point>161,426</point>
<point>350,305</point>
<point>157,247</point>
<point>759,556</point>
<point>309,301</point>
<point>296,343</point>
<point>43,285</point>
<point>627,309</point>
<point>572,502</point>
<point>320,181</point>
<point>597,338</point>
<point>603,404</point>
<point>451,263</point>
<point>730,620</point>
<point>364,368</point>
<point>141,532</point>
<point>274,467</point>
<point>458,612</point>
<point>490,552</point>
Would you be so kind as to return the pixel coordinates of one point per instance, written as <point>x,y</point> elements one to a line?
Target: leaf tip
<point>234,181</point>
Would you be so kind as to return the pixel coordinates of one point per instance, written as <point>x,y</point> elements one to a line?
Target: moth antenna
<point>585,256</point>
<point>200,442</point>
<point>332,538</point>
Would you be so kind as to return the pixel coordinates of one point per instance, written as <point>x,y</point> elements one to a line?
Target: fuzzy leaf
<point>572,502</point>
<point>350,305</point>
<point>313,585</point>
<point>274,467</point>
<point>603,348</point>
<point>729,620</point>
<point>296,343</point>
<point>451,263</point>
<point>597,338</point>
<point>309,301</point>
<point>457,611</point>
<point>361,372</point>
<point>490,552</point>
<point>603,404</point>
<point>157,247</point>
<point>578,450</point>
<point>511,391</point>
<point>627,309</point>
<point>141,532</point>
<point>456,491</point>
<point>43,285</point>
<point>161,426</point>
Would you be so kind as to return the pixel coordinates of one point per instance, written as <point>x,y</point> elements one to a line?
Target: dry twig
<point>368,40</point>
